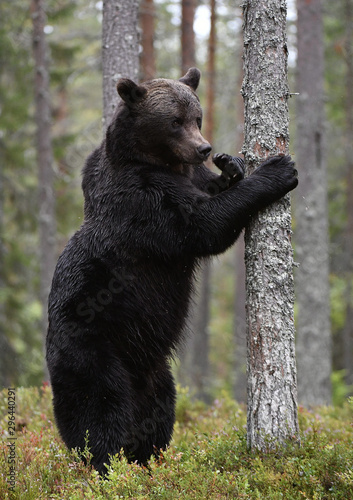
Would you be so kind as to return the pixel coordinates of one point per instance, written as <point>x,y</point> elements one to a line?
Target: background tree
<point>348,327</point>
<point>46,218</point>
<point>201,314</point>
<point>120,49</point>
<point>239,388</point>
<point>337,106</point>
<point>272,395</point>
<point>187,35</point>
<point>148,62</point>
<point>311,235</point>
<point>193,365</point>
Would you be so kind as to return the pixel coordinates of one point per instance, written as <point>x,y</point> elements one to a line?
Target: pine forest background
<point>73,33</point>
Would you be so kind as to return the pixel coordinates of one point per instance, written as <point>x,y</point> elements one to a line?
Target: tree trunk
<point>211,76</point>
<point>187,35</point>
<point>120,49</point>
<point>148,63</point>
<point>272,391</point>
<point>348,327</point>
<point>240,292</point>
<point>239,390</point>
<point>47,222</point>
<point>7,363</point>
<point>200,342</point>
<point>312,275</point>
<point>195,366</point>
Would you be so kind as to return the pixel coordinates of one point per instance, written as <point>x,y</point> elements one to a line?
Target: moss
<point>208,458</point>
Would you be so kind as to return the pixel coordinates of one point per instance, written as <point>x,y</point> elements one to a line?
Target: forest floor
<point>208,457</point>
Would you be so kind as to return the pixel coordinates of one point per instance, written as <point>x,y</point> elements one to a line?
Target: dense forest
<point>73,37</point>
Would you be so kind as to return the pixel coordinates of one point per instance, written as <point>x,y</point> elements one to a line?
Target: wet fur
<point>122,286</point>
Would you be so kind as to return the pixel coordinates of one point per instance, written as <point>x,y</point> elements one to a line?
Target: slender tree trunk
<point>47,222</point>
<point>148,62</point>
<point>120,49</point>
<point>189,373</point>
<point>240,324</point>
<point>200,364</point>
<point>348,328</point>
<point>6,354</point>
<point>272,391</point>
<point>240,292</point>
<point>211,76</point>
<point>187,35</point>
<point>312,275</point>
<point>200,343</point>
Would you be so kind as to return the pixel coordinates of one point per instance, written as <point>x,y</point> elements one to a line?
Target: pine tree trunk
<point>200,342</point>
<point>47,221</point>
<point>348,327</point>
<point>148,63</point>
<point>6,354</point>
<point>187,35</point>
<point>272,391</point>
<point>120,49</point>
<point>311,237</point>
<point>240,292</point>
<point>211,76</point>
<point>239,390</point>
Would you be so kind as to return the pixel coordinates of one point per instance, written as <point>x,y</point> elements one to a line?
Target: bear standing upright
<point>121,288</point>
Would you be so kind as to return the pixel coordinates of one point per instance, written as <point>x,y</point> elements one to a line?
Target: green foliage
<point>208,458</point>
<point>74,38</point>
<point>340,390</point>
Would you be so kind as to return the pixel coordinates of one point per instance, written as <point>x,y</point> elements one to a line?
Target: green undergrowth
<point>208,457</point>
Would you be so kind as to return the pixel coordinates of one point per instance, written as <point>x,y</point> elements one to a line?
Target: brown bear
<point>122,286</point>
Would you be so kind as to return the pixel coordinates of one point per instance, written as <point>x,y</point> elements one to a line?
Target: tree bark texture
<point>311,237</point>
<point>148,62</point>
<point>271,368</point>
<point>187,35</point>
<point>47,221</point>
<point>119,50</point>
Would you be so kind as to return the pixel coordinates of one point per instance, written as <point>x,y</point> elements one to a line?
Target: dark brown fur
<point>122,286</point>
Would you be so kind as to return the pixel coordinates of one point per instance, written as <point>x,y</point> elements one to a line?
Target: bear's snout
<point>204,150</point>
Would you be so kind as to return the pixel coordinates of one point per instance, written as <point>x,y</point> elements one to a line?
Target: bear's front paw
<point>231,166</point>
<point>281,169</point>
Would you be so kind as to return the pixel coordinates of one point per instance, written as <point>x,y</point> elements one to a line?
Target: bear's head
<point>165,119</point>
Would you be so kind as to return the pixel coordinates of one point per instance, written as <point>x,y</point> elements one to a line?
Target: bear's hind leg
<point>154,417</point>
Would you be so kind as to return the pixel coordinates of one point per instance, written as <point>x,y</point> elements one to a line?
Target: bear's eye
<point>177,122</point>
<point>199,122</point>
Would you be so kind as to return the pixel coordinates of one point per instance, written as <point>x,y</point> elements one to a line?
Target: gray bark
<point>200,341</point>
<point>240,324</point>
<point>348,327</point>
<point>311,237</point>
<point>47,220</point>
<point>240,292</point>
<point>272,391</point>
<point>119,49</point>
<point>7,359</point>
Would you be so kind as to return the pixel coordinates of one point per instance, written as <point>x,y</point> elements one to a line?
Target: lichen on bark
<point>120,59</point>
<point>272,387</point>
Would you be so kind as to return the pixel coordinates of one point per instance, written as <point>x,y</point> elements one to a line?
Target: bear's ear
<point>192,78</point>
<point>129,91</point>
